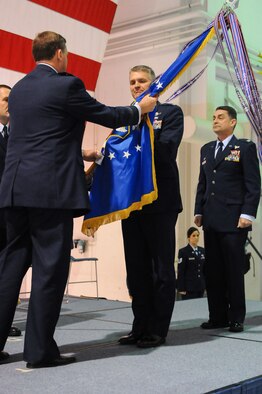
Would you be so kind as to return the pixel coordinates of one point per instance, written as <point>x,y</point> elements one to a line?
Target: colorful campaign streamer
<point>243,81</point>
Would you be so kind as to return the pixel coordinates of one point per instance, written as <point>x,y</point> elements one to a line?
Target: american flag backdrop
<point>85,24</point>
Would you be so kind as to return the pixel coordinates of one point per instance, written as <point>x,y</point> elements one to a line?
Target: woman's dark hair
<point>191,230</point>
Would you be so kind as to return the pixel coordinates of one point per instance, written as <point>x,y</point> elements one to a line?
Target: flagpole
<point>232,3</point>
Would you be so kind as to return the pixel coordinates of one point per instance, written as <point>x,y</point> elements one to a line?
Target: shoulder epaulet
<point>167,104</point>
<point>210,143</point>
<point>246,140</point>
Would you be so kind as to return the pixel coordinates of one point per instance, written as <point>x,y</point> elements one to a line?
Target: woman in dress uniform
<point>191,260</point>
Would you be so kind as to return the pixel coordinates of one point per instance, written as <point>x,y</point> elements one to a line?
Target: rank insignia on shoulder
<point>244,140</point>
<point>233,156</point>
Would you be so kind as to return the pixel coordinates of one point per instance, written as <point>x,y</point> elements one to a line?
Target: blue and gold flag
<point>126,181</point>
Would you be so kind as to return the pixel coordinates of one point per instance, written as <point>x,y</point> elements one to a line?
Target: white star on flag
<point>111,155</point>
<point>159,85</point>
<point>126,154</point>
<point>138,148</point>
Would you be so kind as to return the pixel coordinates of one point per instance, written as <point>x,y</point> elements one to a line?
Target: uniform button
<point>212,194</point>
<point>213,182</point>
<point>199,276</point>
<point>214,171</point>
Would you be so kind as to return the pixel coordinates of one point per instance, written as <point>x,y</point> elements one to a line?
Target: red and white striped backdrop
<point>85,24</point>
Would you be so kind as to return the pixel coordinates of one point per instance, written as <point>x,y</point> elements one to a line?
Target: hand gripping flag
<point>126,181</point>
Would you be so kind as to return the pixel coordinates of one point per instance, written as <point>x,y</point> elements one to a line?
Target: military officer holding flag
<point>149,234</point>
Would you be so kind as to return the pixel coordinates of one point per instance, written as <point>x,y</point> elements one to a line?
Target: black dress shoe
<point>3,356</point>
<point>151,341</point>
<point>209,325</point>
<point>62,360</point>
<point>14,332</point>
<point>236,327</point>
<point>129,339</point>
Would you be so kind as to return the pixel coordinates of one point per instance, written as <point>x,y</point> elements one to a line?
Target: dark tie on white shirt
<point>219,151</point>
<point>5,133</point>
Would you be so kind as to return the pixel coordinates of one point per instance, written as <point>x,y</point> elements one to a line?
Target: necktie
<point>5,134</point>
<point>219,151</point>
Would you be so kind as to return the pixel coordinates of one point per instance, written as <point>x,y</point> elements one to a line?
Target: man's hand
<point>90,155</point>
<point>198,220</point>
<point>147,104</point>
<point>243,223</point>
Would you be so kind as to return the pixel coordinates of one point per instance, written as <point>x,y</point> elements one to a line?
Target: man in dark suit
<point>43,187</point>
<point>149,234</point>
<point>4,119</point>
<point>227,198</point>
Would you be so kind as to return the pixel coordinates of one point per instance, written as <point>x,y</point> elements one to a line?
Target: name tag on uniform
<point>191,258</point>
<point>233,156</point>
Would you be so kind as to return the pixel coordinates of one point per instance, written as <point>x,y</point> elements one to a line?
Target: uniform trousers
<point>2,238</point>
<point>41,238</point>
<point>149,244</point>
<point>224,273</point>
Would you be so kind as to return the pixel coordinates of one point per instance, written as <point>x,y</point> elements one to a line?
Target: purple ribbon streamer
<point>244,76</point>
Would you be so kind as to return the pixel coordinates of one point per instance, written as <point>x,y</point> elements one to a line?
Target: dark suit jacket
<point>2,166</point>
<point>230,187</point>
<point>190,275</point>
<point>3,146</point>
<point>44,166</point>
<point>168,128</point>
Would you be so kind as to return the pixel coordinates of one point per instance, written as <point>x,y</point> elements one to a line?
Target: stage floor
<point>193,361</point>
